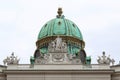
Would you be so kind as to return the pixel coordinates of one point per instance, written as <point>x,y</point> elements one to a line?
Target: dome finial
<point>59,12</point>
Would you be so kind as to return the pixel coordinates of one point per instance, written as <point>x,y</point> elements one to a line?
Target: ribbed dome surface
<point>60,26</point>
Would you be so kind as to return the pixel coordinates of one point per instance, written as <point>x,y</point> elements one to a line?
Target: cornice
<point>109,71</point>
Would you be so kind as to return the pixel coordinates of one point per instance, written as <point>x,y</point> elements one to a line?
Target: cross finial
<point>59,11</point>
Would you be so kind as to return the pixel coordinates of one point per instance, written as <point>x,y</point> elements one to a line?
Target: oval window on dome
<point>73,25</point>
<point>59,23</point>
<point>45,25</point>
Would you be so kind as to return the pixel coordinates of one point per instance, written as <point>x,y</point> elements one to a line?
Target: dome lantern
<point>59,11</point>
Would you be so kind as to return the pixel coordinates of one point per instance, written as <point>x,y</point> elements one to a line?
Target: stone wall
<point>116,75</point>
<point>59,76</point>
<point>2,74</point>
<point>60,72</point>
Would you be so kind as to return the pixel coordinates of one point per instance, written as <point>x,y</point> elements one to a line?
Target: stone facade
<point>60,55</point>
<point>60,72</point>
<point>2,74</point>
<point>116,75</point>
<point>58,64</point>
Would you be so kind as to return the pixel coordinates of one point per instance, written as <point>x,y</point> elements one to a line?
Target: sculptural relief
<point>57,45</point>
<point>58,54</point>
<point>11,60</point>
<point>105,60</point>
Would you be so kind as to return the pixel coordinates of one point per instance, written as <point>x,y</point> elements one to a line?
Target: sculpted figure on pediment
<point>57,45</point>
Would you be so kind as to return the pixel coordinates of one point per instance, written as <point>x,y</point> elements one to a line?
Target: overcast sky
<point>21,21</point>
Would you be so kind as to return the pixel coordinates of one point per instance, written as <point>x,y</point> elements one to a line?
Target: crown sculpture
<point>11,60</point>
<point>105,60</point>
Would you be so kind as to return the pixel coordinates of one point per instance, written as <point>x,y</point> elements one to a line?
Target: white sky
<point>21,21</point>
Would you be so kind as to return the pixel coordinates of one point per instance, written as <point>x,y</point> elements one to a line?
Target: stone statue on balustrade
<point>105,60</point>
<point>11,60</point>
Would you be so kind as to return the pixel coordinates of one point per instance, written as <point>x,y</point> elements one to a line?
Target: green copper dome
<point>67,30</point>
<point>60,26</point>
<point>61,36</point>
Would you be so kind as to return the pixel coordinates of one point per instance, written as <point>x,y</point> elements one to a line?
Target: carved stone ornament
<point>105,60</point>
<point>11,60</point>
<point>57,54</point>
<point>57,45</point>
<point>58,57</point>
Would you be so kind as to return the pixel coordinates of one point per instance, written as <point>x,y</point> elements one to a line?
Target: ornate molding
<point>58,54</point>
